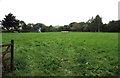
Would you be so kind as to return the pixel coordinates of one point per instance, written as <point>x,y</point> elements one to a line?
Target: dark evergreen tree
<point>10,22</point>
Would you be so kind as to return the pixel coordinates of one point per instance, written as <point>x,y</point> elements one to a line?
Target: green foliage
<point>64,28</point>
<point>96,24</point>
<point>59,54</point>
<point>114,26</point>
<point>75,26</point>
<point>24,26</point>
<point>92,25</point>
<point>10,22</point>
<point>52,29</point>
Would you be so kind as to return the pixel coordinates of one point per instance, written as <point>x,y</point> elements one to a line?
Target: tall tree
<point>10,22</point>
<point>52,29</point>
<point>96,24</point>
<point>89,24</point>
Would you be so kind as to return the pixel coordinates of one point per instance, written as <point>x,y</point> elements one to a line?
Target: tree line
<point>10,23</point>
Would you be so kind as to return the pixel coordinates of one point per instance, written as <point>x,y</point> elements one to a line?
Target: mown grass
<point>64,54</point>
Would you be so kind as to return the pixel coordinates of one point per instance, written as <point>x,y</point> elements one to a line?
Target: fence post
<point>12,54</point>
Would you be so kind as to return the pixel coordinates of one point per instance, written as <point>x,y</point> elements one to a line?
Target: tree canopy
<point>10,22</point>
<point>92,25</point>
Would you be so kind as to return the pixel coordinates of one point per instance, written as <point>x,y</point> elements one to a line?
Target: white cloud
<point>59,12</point>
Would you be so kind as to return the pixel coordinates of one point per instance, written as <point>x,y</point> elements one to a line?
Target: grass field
<point>64,54</point>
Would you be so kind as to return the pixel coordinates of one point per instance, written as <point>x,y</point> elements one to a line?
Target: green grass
<point>64,54</point>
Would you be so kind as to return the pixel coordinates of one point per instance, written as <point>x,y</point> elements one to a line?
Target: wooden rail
<point>4,45</point>
<point>7,67</point>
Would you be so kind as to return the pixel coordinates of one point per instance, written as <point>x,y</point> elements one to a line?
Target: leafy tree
<point>96,24</point>
<point>30,25</point>
<point>50,28</point>
<point>90,20</point>
<point>43,27</point>
<point>89,27</point>
<point>104,28</point>
<point>10,22</point>
<point>75,26</point>
<point>24,26</point>
<point>114,26</point>
<point>66,28</point>
<point>36,27</point>
<point>54,29</point>
<point>61,28</point>
<point>81,26</point>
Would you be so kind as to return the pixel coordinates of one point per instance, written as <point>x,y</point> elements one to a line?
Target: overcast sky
<point>59,12</point>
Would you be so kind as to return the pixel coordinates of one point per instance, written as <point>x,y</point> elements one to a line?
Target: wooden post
<point>12,54</point>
